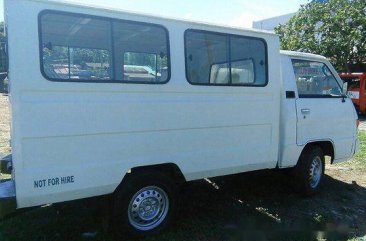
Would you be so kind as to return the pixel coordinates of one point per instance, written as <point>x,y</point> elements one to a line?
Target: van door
<point>322,112</point>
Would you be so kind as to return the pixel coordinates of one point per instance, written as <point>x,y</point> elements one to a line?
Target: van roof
<point>302,55</point>
<point>116,10</point>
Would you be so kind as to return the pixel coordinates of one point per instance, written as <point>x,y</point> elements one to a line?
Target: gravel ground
<point>4,124</point>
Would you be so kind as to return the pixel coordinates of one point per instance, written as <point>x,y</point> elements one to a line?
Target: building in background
<point>270,24</point>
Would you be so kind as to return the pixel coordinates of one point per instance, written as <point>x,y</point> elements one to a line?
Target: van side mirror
<point>345,88</point>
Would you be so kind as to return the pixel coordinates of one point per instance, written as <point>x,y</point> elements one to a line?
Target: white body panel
<point>96,132</point>
<point>289,150</point>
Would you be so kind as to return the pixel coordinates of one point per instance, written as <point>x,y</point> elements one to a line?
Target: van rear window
<point>224,59</point>
<point>83,48</point>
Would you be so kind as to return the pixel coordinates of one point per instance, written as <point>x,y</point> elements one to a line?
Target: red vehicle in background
<point>356,89</point>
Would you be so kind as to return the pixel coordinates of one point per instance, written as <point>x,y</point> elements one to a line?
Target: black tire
<point>305,182</point>
<point>124,222</point>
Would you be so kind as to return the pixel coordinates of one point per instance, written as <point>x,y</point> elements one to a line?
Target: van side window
<point>82,48</point>
<point>75,47</point>
<point>223,59</point>
<point>314,79</point>
<point>248,61</point>
<point>207,58</point>
<point>141,52</point>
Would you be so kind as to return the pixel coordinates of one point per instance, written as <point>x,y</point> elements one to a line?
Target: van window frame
<point>111,21</point>
<point>315,96</point>
<point>229,36</point>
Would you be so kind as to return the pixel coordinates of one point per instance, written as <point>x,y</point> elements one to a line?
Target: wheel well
<point>169,169</point>
<point>326,146</point>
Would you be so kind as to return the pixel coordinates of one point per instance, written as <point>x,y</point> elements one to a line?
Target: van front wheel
<point>144,204</point>
<point>309,171</point>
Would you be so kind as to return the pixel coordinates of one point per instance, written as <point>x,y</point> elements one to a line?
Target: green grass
<point>359,160</point>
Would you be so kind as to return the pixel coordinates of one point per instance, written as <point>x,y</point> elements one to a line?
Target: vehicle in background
<point>132,106</point>
<point>356,89</point>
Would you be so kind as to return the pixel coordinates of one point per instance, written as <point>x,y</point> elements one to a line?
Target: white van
<point>109,102</point>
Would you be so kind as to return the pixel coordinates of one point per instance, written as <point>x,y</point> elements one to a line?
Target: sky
<point>238,13</point>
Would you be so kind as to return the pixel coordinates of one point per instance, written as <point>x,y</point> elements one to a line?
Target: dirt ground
<point>251,206</point>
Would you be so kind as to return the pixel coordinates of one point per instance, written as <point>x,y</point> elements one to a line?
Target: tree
<point>335,29</point>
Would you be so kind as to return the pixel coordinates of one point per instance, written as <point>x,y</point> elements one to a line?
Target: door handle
<point>305,111</point>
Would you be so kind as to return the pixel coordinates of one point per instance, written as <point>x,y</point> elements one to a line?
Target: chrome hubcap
<point>148,208</point>
<point>316,171</point>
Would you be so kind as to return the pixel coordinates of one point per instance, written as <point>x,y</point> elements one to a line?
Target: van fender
<point>327,145</point>
<point>172,170</point>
